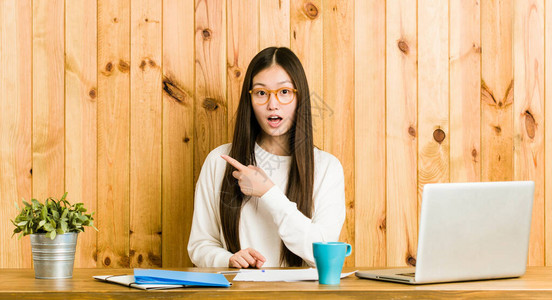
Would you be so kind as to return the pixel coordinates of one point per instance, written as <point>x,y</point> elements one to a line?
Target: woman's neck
<point>278,145</point>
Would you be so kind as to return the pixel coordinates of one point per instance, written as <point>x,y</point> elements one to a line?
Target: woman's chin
<point>275,132</point>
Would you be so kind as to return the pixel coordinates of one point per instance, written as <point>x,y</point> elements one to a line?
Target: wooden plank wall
<point>119,102</point>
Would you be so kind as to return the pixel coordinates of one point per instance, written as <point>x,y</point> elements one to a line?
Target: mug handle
<point>349,250</point>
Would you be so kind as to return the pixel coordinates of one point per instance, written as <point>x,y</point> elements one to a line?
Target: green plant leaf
<point>48,227</point>
<point>35,204</point>
<point>65,212</point>
<point>53,217</point>
<point>41,223</point>
<point>63,226</point>
<point>51,234</point>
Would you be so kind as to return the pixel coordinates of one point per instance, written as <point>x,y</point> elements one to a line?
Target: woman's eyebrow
<point>285,81</point>
<point>281,82</point>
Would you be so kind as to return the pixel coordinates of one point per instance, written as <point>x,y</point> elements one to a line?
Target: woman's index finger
<point>233,162</point>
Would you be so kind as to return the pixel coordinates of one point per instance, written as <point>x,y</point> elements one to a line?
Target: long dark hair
<point>300,181</point>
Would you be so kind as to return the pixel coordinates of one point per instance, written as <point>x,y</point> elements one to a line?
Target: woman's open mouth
<point>274,121</point>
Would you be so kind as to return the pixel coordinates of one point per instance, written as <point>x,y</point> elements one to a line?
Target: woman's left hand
<point>253,180</point>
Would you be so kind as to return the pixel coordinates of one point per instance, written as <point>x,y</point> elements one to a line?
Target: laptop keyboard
<point>408,274</point>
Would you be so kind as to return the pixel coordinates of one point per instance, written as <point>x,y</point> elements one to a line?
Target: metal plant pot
<point>53,259</point>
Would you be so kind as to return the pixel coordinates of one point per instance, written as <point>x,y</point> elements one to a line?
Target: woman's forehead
<point>273,75</point>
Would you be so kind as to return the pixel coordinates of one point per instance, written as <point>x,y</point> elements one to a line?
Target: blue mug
<point>329,258</point>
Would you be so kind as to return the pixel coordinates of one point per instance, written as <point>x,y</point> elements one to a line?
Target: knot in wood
<point>92,93</point>
<point>383,224</point>
<point>173,90</point>
<point>210,104</point>
<point>530,124</point>
<point>123,66</point>
<point>439,135</point>
<point>403,46</point>
<point>311,10</point>
<point>412,131</point>
<point>206,34</point>
<point>109,67</point>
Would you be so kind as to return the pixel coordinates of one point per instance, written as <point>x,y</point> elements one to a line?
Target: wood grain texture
<point>242,46</point>
<point>113,133</point>
<point>69,112</point>
<point>433,95</point>
<point>465,95</point>
<point>20,284</point>
<point>401,133</point>
<point>370,171</point>
<point>307,34</point>
<point>178,122</point>
<point>339,95</point>
<point>145,133</point>
<point>548,136</point>
<point>210,105</point>
<point>15,126</point>
<point>81,116</point>
<point>497,94</point>
<point>529,112</point>
<point>48,141</point>
<point>274,23</point>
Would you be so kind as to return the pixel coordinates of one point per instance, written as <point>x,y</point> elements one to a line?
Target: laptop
<point>469,231</point>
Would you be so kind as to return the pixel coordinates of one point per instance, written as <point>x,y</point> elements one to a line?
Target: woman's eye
<point>285,92</point>
<point>261,93</point>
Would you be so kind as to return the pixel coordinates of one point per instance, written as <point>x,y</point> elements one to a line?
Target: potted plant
<point>53,226</point>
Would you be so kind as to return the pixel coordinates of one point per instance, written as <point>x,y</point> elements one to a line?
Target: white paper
<point>280,275</point>
<point>128,280</point>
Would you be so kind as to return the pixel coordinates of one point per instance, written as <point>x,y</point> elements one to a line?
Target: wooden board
<point>274,23</point>
<point>339,90</point>
<point>113,133</point>
<point>48,140</point>
<point>548,137</point>
<point>401,133</point>
<point>242,46</point>
<point>465,95</point>
<point>145,133</point>
<point>529,112</point>
<point>433,95</point>
<point>369,116</point>
<point>178,143</point>
<point>15,127</point>
<point>80,117</point>
<point>497,92</point>
<point>307,43</point>
<point>210,105</point>
<point>20,284</point>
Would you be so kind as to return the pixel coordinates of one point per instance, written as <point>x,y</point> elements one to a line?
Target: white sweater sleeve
<point>299,232</point>
<point>206,246</point>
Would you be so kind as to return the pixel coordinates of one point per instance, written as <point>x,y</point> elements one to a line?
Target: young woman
<point>264,199</point>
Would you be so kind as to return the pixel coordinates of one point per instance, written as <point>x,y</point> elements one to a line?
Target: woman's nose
<point>272,102</point>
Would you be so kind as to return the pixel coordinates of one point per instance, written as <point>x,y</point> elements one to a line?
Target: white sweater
<point>270,219</point>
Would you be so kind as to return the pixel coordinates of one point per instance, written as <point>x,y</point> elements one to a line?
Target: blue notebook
<point>155,276</point>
